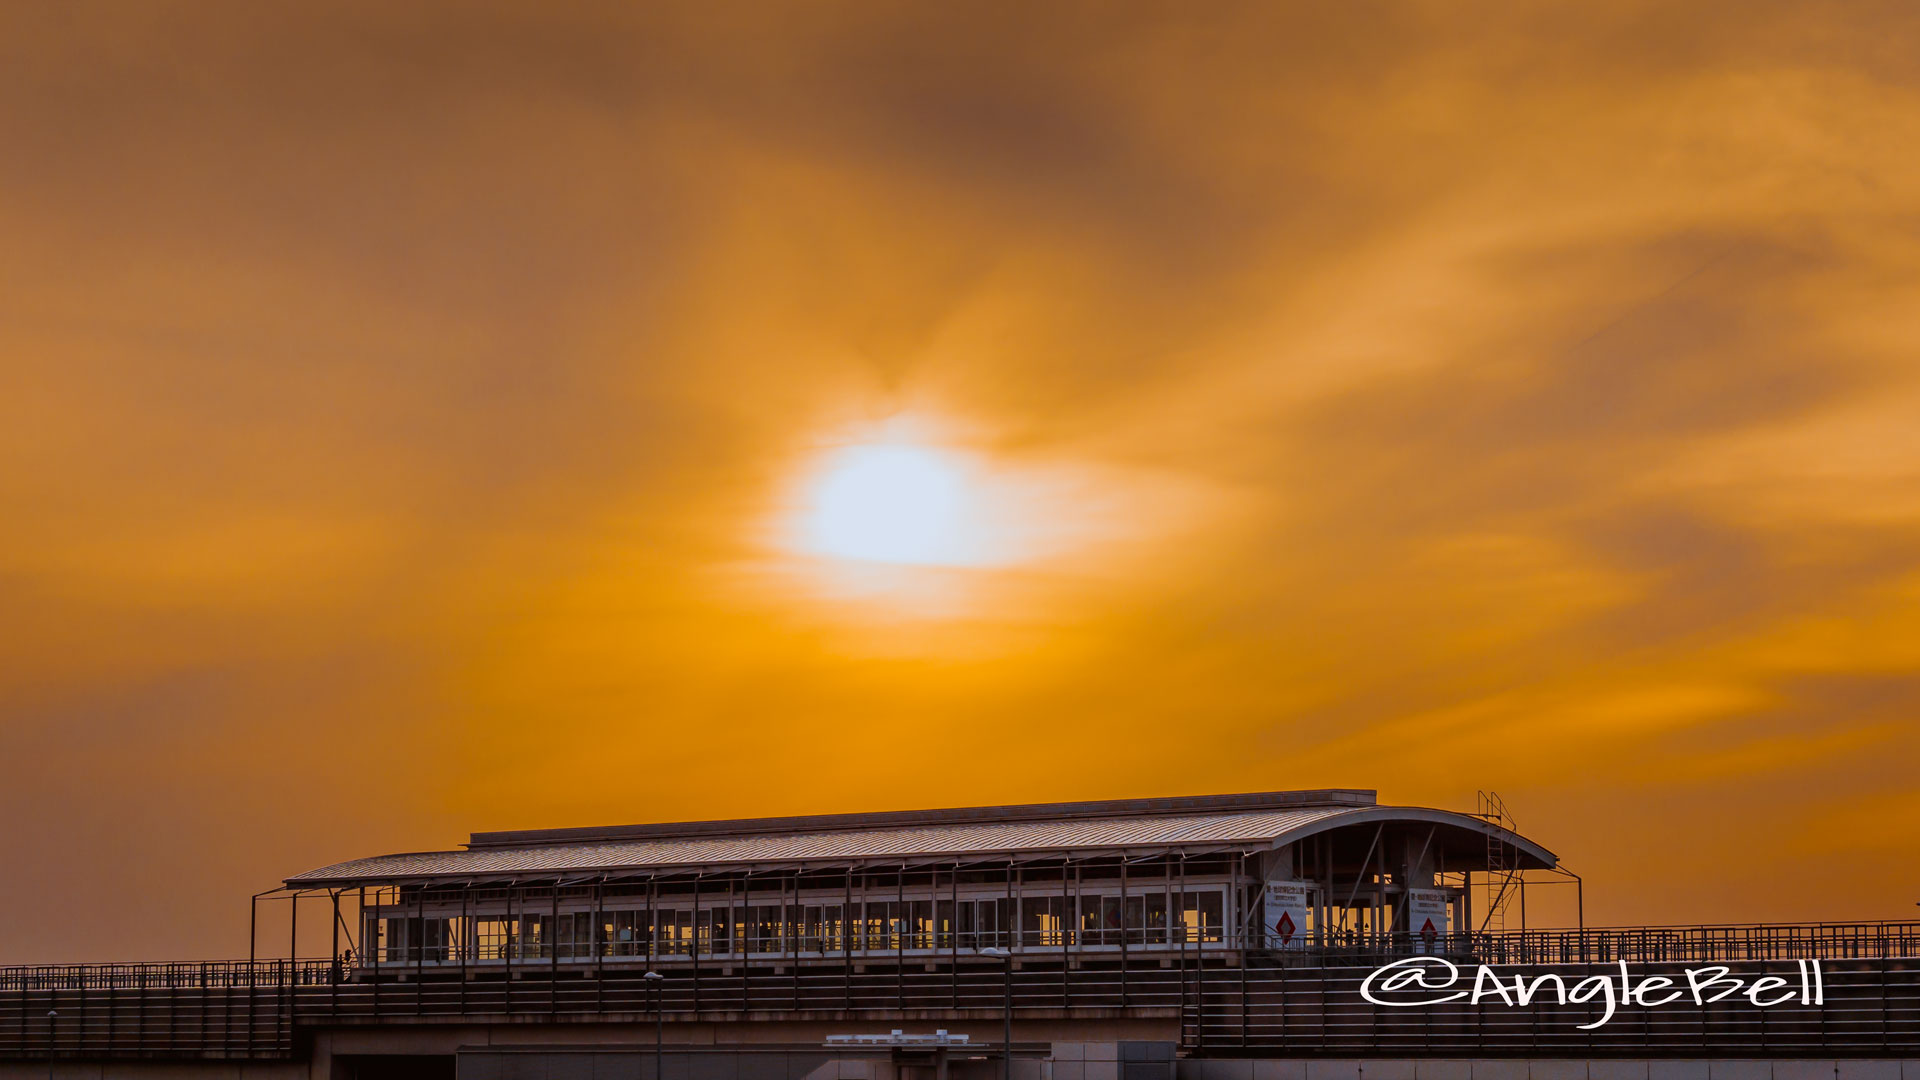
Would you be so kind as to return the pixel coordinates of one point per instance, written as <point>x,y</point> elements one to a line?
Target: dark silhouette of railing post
<point>655,980</point>
<point>1007,1014</point>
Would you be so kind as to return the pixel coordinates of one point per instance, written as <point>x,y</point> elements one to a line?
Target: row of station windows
<point>1157,918</point>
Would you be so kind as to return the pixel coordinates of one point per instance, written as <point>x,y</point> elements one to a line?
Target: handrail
<point>1220,1007</point>
<point>1645,944</point>
<point>173,975</point>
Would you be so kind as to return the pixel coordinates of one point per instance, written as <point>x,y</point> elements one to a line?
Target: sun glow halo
<point>892,503</point>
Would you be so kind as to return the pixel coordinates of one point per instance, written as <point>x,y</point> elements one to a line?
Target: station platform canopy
<point>1125,828</point>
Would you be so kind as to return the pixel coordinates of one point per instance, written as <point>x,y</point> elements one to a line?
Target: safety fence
<point>1634,944</point>
<point>1255,1002</point>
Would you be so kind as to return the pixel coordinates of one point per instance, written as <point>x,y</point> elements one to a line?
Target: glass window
<point>1117,917</point>
<point>980,922</point>
<point>832,936</point>
<point>919,917</point>
<point>433,936</point>
<point>491,937</point>
<point>762,929</point>
<point>575,940</point>
<point>996,922</point>
<point>391,940</point>
<point>1091,923</point>
<point>877,920</point>
<point>816,928</point>
<point>1200,916</point>
<point>675,932</point>
<point>944,927</point>
<point>711,930</point>
<point>1044,921</point>
<point>624,933</point>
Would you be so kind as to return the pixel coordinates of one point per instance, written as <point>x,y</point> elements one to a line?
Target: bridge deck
<point>1257,1003</point>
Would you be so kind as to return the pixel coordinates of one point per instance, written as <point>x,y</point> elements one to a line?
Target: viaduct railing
<point>1294,1003</point>
<point>1634,944</point>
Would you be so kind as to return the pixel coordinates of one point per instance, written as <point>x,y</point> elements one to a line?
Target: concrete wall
<point>556,1053</point>
<point>1100,1062</point>
<point>748,1065</point>
<point>638,1034</point>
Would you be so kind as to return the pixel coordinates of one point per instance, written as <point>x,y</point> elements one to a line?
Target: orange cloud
<point>397,409</point>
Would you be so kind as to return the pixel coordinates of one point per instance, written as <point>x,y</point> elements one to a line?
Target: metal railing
<point>1634,944</point>
<point>858,943</point>
<point>1594,945</point>
<point>1297,1002</point>
<point>1768,941</point>
<point>174,975</point>
<point>1871,1008</point>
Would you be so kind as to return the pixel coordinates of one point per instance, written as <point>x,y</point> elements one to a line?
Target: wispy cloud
<point>398,408</point>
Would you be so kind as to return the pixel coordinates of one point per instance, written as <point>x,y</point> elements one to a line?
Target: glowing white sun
<point>892,503</point>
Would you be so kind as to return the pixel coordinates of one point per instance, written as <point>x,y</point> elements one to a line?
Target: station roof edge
<point>894,819</point>
<point>1186,828</point>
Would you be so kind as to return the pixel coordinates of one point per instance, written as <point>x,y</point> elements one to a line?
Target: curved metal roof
<point>1172,830</point>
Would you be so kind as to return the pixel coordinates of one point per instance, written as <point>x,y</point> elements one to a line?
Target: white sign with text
<point>1286,907</point>
<point>1427,918</point>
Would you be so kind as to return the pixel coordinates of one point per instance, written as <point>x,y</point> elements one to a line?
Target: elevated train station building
<point>1097,883</point>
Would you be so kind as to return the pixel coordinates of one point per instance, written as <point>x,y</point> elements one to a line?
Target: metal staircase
<point>1503,863</point>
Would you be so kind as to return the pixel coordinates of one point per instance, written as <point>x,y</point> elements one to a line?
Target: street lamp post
<point>655,979</point>
<point>1006,957</point>
<point>53,1018</point>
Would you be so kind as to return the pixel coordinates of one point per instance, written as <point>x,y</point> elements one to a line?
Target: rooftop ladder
<point>1503,862</point>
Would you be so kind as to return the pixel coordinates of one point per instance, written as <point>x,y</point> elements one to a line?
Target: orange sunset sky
<point>422,419</point>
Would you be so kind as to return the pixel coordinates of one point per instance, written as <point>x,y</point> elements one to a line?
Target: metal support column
<point>901,926</point>
<point>1179,919</point>
<point>595,933</point>
<point>793,927</point>
<point>846,939</point>
<point>739,931</point>
<point>953,930</point>
<point>293,969</point>
<point>1234,923</point>
<point>418,939</point>
<point>1124,930</point>
<point>1380,900</point>
<point>468,939</point>
<point>370,946</point>
<point>1069,912</point>
<point>333,955</point>
<point>693,946</point>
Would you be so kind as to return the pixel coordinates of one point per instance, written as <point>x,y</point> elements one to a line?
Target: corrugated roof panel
<point>1163,806</point>
<point>974,838</point>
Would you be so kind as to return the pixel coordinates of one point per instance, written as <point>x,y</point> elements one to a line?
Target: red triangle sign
<point>1285,927</point>
<point>1428,931</point>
